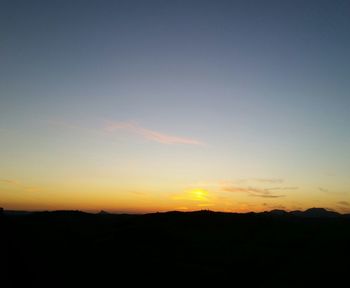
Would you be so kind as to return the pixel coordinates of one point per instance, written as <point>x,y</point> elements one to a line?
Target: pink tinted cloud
<point>151,134</point>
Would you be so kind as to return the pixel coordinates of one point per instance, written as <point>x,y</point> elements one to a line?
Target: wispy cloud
<point>283,188</point>
<point>235,189</point>
<point>343,206</point>
<point>344,203</point>
<point>151,134</point>
<point>260,180</point>
<point>267,196</point>
<point>256,187</point>
<point>269,180</point>
<point>323,189</point>
<point>252,191</point>
<point>9,181</point>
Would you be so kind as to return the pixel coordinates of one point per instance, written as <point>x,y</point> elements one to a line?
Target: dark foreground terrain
<point>275,249</point>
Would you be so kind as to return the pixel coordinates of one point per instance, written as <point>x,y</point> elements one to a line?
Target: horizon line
<point>3,210</point>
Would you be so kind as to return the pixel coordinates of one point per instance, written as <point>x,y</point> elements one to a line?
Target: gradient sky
<point>141,106</point>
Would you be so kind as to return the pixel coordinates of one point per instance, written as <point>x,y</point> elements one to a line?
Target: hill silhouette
<point>308,213</point>
<point>269,249</point>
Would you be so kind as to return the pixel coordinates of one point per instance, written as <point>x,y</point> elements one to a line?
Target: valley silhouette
<point>268,249</point>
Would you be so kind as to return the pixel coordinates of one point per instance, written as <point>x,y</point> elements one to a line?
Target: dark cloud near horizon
<point>344,203</point>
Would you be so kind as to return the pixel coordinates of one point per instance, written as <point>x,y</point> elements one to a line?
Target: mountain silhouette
<point>320,212</point>
<point>102,212</point>
<point>278,212</point>
<point>103,249</point>
<point>308,213</point>
<point>315,213</point>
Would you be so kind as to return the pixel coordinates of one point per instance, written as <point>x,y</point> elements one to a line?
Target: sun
<point>199,194</point>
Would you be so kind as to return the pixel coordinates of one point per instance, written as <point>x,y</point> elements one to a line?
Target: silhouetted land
<point>275,249</point>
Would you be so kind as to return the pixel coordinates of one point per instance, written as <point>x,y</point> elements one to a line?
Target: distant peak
<point>320,212</point>
<point>103,212</point>
<point>278,212</point>
<point>314,209</point>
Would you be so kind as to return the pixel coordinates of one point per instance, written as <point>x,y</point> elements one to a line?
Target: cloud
<point>269,180</point>
<point>151,134</point>
<point>256,190</point>
<point>323,189</point>
<point>344,203</point>
<point>252,191</point>
<point>9,181</point>
<point>283,188</point>
<point>244,190</point>
<point>267,196</point>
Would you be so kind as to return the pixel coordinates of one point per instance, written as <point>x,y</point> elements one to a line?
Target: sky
<point>144,106</point>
